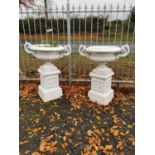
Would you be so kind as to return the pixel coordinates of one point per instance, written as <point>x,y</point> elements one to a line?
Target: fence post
<point>69,40</point>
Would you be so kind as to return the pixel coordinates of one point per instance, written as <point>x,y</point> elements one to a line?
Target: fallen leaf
<point>98,117</point>
<point>120,145</point>
<point>108,147</point>
<point>36,120</point>
<point>64,138</point>
<point>53,149</point>
<point>42,147</point>
<point>36,153</point>
<point>103,131</point>
<point>42,111</point>
<point>89,132</point>
<point>114,131</point>
<point>23,142</point>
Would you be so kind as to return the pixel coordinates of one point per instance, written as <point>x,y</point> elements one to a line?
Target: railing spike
<point>92,7</point>
<point>111,6</point>
<point>131,6</point>
<point>118,6</point>
<point>63,7</point>
<point>79,7</point>
<point>98,7</point>
<point>85,7</point>
<point>124,6</point>
<point>73,7</point>
<point>105,6</point>
<point>56,8</point>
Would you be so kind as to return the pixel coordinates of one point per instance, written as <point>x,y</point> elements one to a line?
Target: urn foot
<point>49,94</point>
<point>102,99</point>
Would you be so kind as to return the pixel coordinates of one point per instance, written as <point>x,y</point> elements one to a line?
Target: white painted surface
<point>49,88</point>
<point>101,77</point>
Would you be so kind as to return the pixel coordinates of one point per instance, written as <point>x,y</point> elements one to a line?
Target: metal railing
<point>103,25</point>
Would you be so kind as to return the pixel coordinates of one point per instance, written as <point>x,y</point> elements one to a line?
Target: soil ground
<point>73,125</point>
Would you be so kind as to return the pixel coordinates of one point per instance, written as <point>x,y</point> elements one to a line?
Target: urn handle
<point>125,50</point>
<point>82,48</point>
<point>67,50</point>
<point>26,47</point>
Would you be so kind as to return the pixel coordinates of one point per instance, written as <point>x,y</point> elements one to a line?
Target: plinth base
<point>101,98</point>
<point>49,94</point>
<point>101,91</point>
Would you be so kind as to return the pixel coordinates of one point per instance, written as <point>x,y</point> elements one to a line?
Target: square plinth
<point>49,94</point>
<point>101,98</point>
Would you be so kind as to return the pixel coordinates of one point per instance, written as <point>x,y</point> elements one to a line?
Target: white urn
<point>101,77</point>
<point>49,88</point>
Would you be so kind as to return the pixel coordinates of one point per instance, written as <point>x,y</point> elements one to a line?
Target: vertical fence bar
<point>122,29</point>
<point>98,11</point>
<point>32,61</point>
<point>51,13</point>
<point>23,25</point>
<point>73,33</point>
<point>57,24</point>
<point>34,22</point>
<point>129,21</point>
<point>104,18</point>
<point>91,37</point>
<point>30,37</point>
<point>85,34</point>
<point>46,19</point>
<point>39,15</point>
<point>85,23</point>
<point>22,56</point>
<point>79,10</point>
<point>69,40</point>
<point>64,38</point>
<point>116,27</point>
<point>110,14</point>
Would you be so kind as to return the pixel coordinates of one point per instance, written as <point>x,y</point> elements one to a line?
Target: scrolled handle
<point>82,48</point>
<point>67,50</point>
<point>125,50</point>
<point>26,47</point>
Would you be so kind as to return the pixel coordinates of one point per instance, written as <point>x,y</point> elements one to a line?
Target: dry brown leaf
<point>42,111</point>
<point>130,126</point>
<point>120,145</point>
<point>64,138</point>
<point>97,131</point>
<point>114,131</point>
<point>108,147</point>
<point>98,117</point>
<point>42,145</point>
<point>23,142</point>
<point>91,141</point>
<point>89,132</point>
<point>36,120</point>
<point>50,136</point>
<point>103,131</point>
<point>53,149</point>
<point>94,153</point>
<point>35,153</point>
